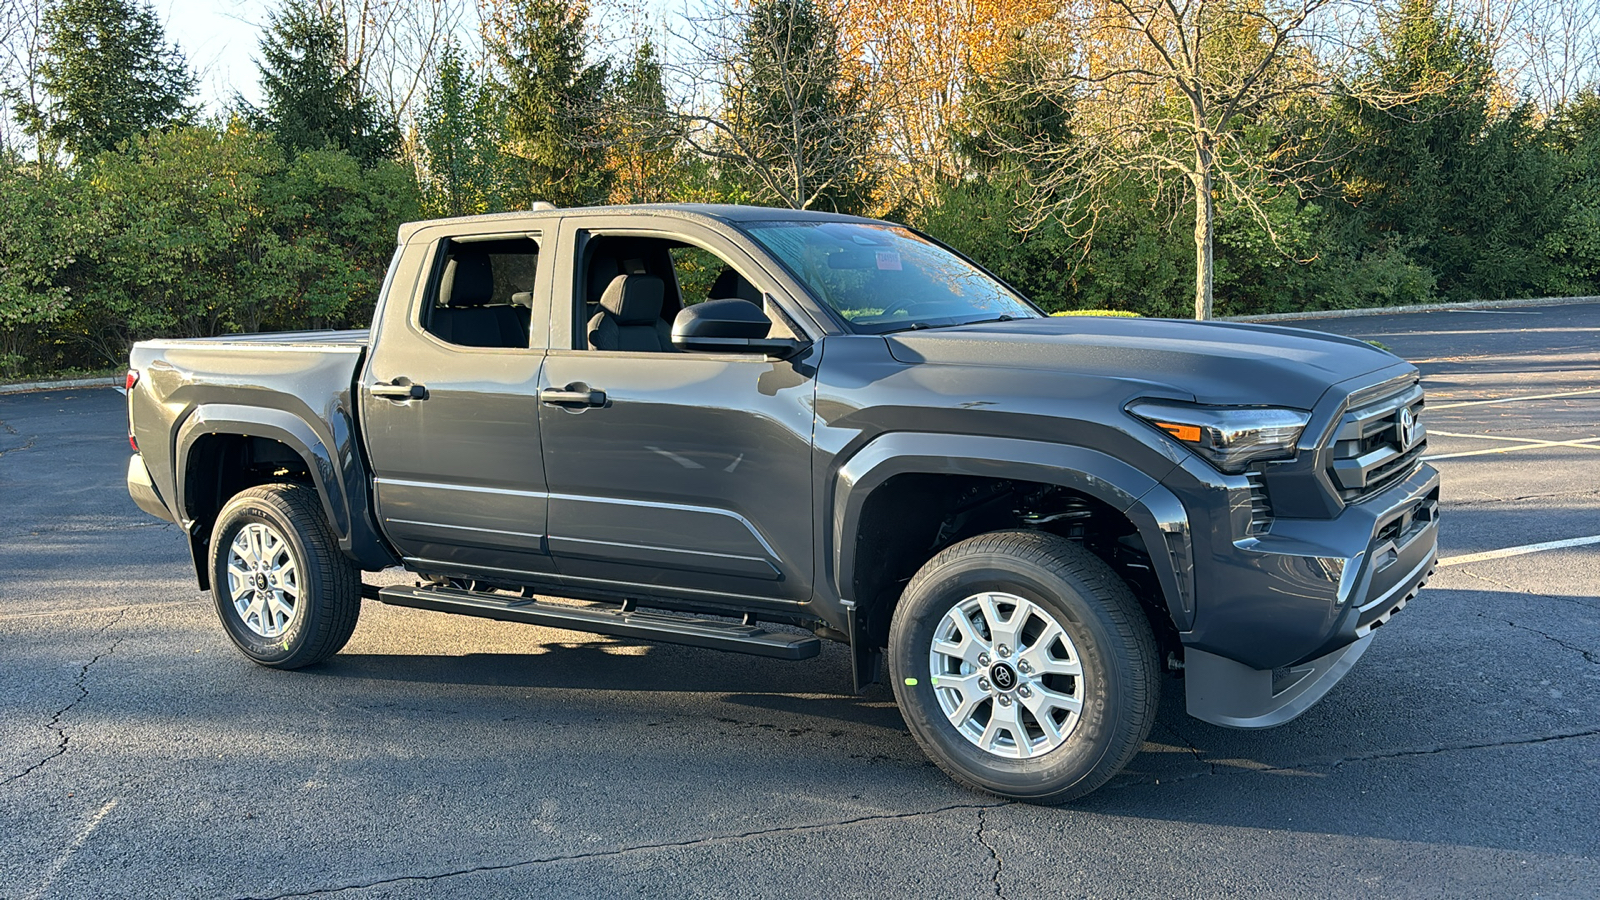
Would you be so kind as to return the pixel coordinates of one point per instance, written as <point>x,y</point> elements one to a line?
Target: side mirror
<point>728,326</point>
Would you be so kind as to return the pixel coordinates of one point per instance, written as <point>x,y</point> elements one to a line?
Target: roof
<point>726,213</point>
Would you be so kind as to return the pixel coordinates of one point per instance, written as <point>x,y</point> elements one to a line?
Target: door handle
<point>400,391</point>
<point>572,395</point>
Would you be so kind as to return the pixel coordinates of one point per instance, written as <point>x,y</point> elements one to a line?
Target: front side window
<point>883,278</point>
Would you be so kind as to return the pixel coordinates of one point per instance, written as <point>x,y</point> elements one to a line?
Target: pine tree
<point>110,76</point>
<point>314,97</point>
<point>793,112</point>
<point>461,128</point>
<point>644,144</point>
<point>553,102</point>
<point>1446,178</point>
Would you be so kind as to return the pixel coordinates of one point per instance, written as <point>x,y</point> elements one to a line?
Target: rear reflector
<point>133,379</point>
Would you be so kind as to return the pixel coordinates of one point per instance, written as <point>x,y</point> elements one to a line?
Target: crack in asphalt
<point>1514,589</point>
<point>26,445</point>
<point>637,848</point>
<point>1588,655</point>
<point>1458,748</point>
<point>83,694</point>
<point>993,853</point>
<point>1366,757</point>
<point>1199,755</point>
<point>1484,501</point>
<point>981,808</point>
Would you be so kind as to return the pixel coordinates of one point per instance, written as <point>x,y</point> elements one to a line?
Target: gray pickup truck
<point>694,424</point>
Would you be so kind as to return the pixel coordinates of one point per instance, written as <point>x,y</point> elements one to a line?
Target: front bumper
<point>1289,612</point>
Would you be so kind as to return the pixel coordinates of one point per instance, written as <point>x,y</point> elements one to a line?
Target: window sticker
<point>889,260</point>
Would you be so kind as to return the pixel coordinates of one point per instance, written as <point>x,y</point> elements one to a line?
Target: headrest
<point>634,299</point>
<point>468,280</point>
<point>602,269</point>
<point>731,285</point>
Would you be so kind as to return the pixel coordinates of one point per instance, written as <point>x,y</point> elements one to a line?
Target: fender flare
<point>336,487</point>
<point>1155,511</point>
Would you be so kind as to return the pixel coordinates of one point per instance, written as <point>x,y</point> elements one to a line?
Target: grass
<point>1122,313</point>
<point>62,375</point>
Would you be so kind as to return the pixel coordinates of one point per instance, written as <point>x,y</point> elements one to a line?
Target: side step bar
<point>668,629</point>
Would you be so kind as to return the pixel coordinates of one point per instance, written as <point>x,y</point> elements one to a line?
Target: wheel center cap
<point>1003,676</point>
<point>261,581</point>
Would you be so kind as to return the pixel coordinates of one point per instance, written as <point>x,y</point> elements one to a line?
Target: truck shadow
<point>628,667</point>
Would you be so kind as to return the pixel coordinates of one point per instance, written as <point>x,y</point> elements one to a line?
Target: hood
<point>1223,363</point>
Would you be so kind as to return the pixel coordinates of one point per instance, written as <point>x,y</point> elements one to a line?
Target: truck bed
<point>291,388</point>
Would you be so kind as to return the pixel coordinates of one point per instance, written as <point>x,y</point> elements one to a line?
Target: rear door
<point>693,476</point>
<point>450,405</point>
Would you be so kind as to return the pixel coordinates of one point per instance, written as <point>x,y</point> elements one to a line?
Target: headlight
<point>1229,437</point>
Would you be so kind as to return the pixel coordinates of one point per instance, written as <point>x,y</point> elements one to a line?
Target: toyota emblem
<point>1408,429</point>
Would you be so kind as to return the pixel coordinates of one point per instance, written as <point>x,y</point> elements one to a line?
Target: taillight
<point>128,383</point>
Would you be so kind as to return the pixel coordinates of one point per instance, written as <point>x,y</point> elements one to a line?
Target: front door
<point>692,477</point>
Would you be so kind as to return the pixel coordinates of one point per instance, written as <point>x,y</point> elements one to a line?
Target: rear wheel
<point>1024,666</point>
<point>285,593</point>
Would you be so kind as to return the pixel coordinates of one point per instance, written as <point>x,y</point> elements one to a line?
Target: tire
<point>286,595</point>
<point>1010,588</point>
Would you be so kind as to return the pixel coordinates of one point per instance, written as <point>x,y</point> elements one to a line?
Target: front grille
<point>1260,506</point>
<point>1368,452</point>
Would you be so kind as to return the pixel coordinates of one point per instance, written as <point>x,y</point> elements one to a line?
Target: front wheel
<point>1024,666</point>
<point>285,593</point>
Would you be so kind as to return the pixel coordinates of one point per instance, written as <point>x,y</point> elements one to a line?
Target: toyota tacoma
<point>756,429</point>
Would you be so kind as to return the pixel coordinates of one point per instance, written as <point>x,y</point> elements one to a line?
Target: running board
<point>649,626</point>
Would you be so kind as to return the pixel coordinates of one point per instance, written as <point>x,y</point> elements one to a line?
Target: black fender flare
<point>339,479</point>
<point>1155,511</point>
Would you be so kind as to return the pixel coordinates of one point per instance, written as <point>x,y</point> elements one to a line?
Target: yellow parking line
<point>1436,407</point>
<point>1587,444</point>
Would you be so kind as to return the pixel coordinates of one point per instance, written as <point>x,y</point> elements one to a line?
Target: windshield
<point>883,278</point>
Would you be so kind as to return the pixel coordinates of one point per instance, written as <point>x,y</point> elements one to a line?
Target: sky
<point>220,39</point>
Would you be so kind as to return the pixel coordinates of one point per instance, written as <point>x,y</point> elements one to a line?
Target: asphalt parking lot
<point>141,756</point>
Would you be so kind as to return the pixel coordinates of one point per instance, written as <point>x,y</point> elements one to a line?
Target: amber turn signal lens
<point>1181,432</point>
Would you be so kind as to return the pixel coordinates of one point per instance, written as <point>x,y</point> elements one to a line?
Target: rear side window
<point>482,293</point>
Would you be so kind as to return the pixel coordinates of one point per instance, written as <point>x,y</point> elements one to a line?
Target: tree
<point>391,45</point>
<point>460,131</point>
<point>924,56</point>
<point>314,98</point>
<point>1447,176</point>
<point>794,128</point>
<point>1183,94</point>
<point>1574,247</point>
<point>45,237</point>
<point>107,75</point>
<point>643,145</point>
<point>553,102</point>
<point>333,222</point>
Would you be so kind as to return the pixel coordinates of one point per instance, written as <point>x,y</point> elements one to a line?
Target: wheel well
<point>220,466</point>
<point>911,517</point>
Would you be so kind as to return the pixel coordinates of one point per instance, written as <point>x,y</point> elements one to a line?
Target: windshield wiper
<point>913,326</point>
<point>1003,317</point>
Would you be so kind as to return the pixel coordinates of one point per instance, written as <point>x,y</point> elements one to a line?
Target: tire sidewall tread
<point>330,600</point>
<point>1109,630</point>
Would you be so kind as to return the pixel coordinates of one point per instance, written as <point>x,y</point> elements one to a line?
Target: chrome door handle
<point>572,395</point>
<point>400,391</point>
